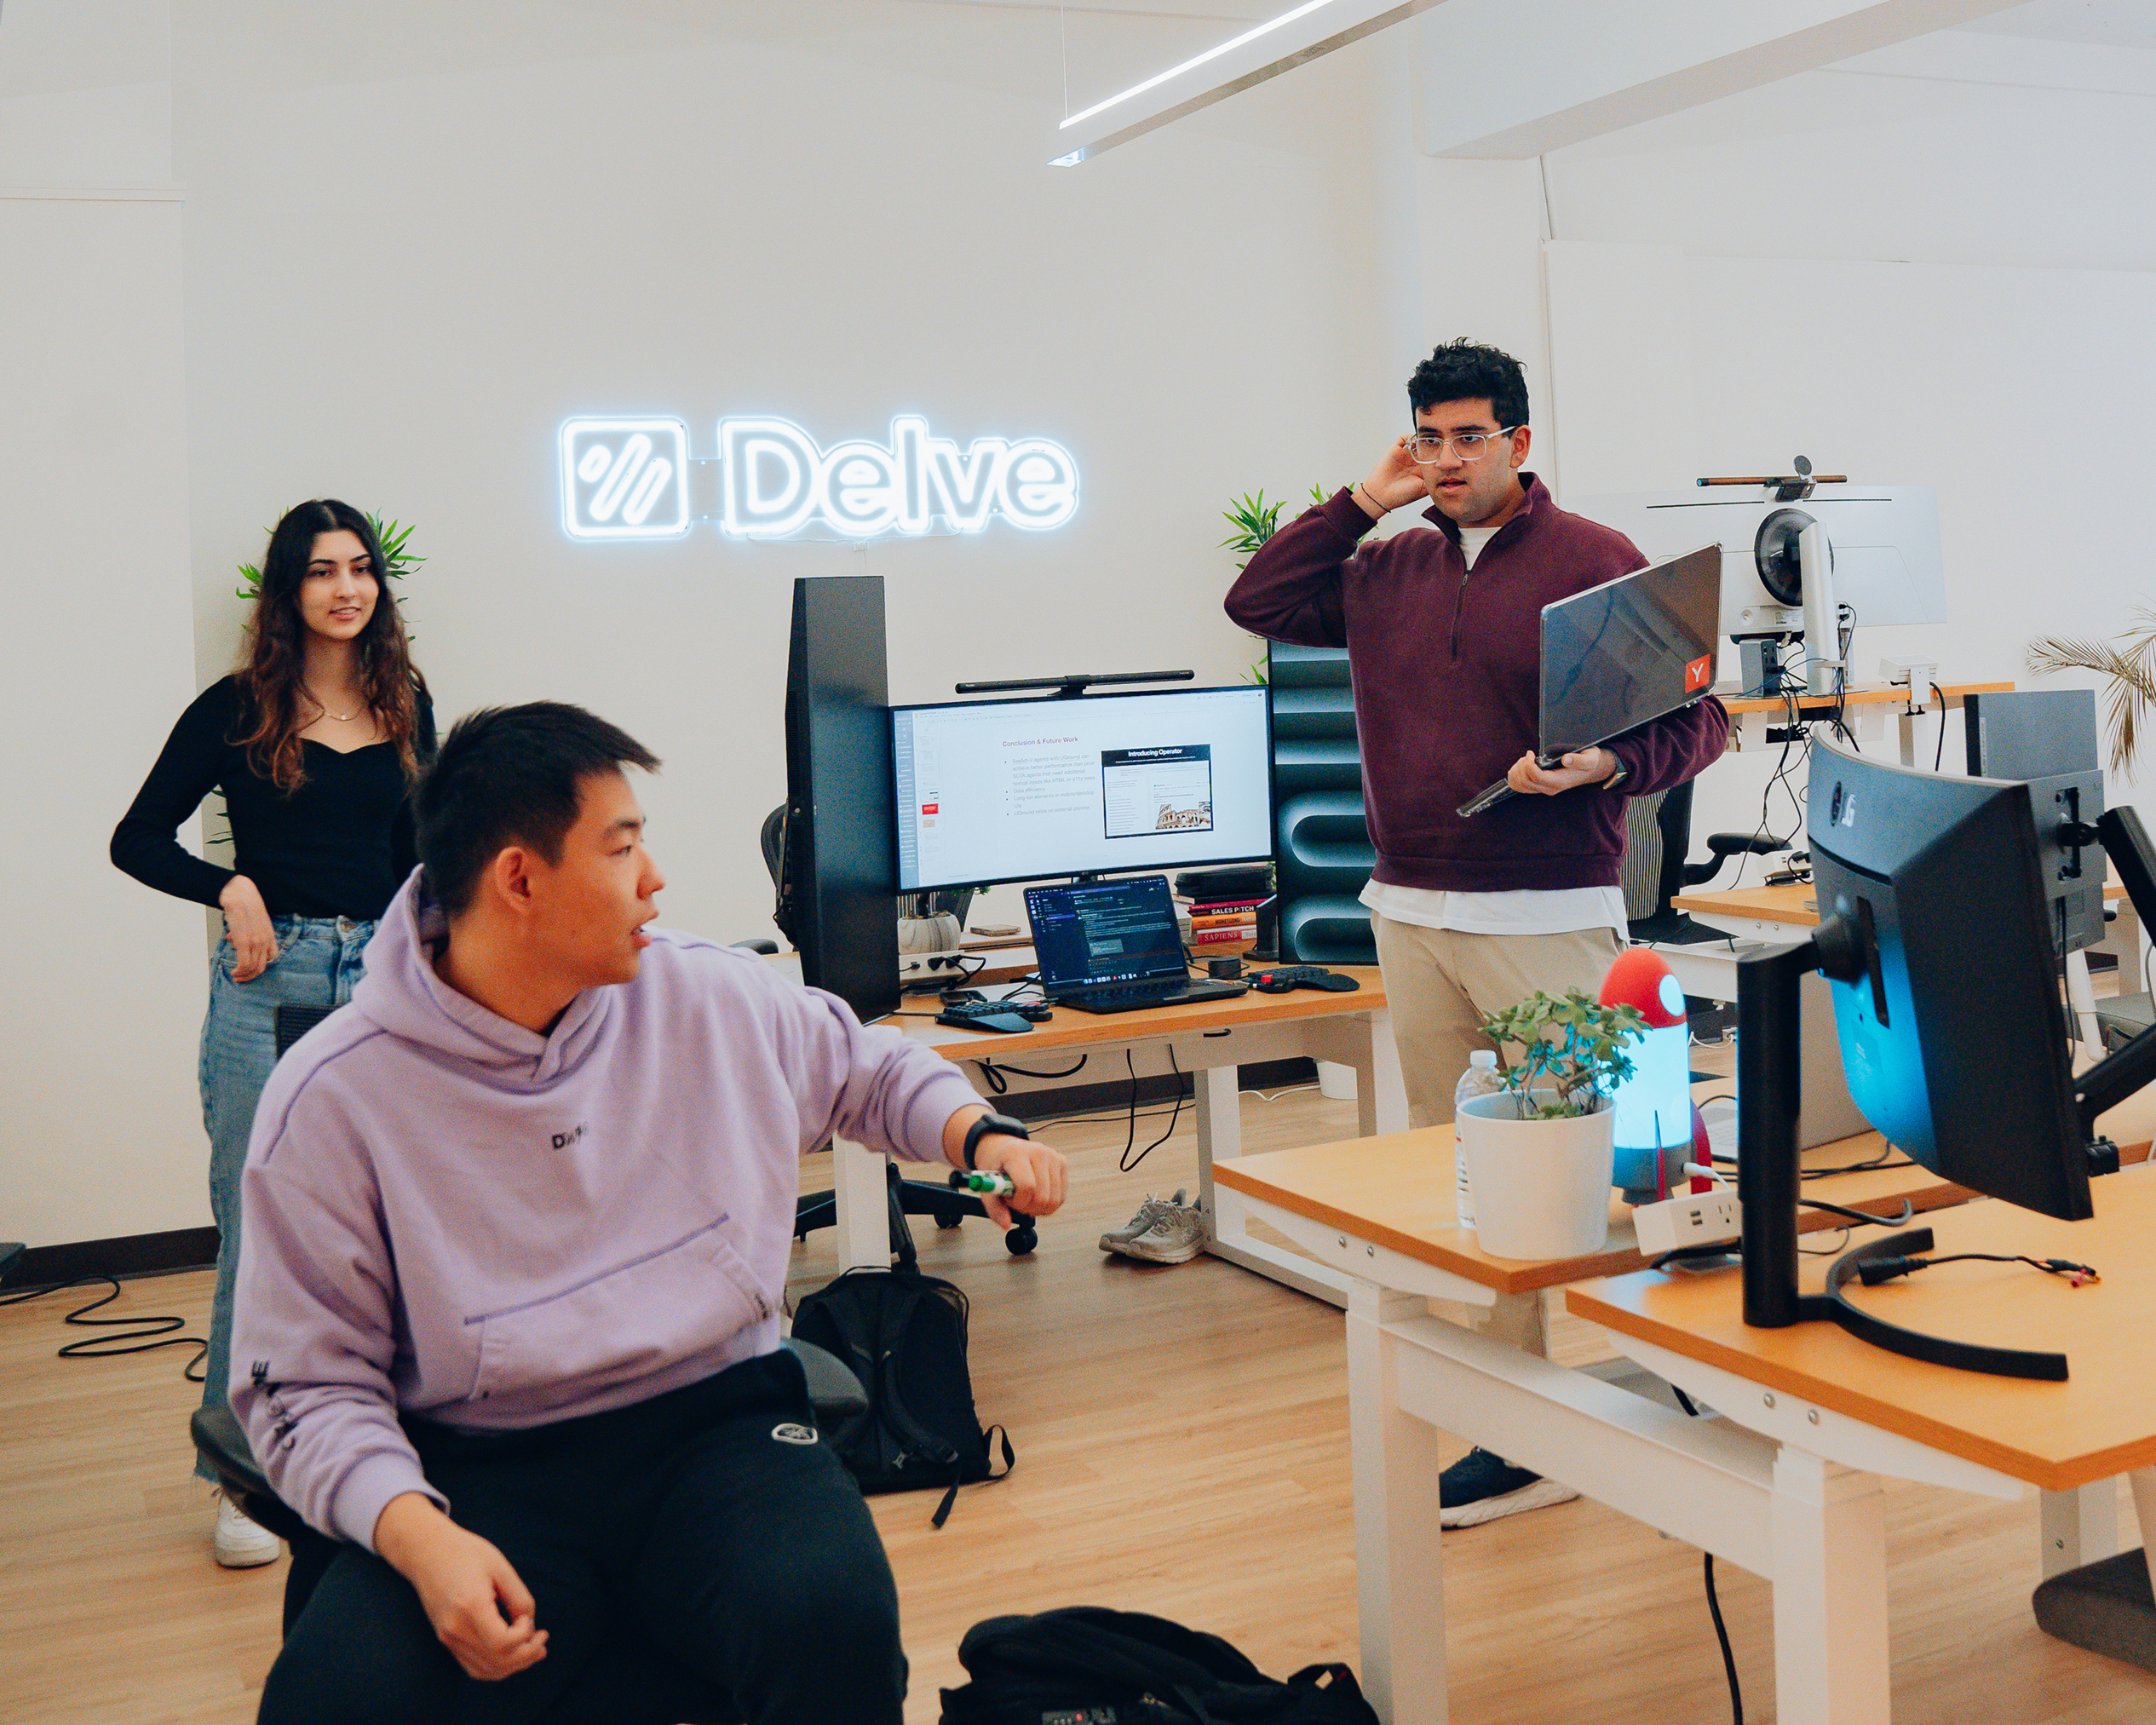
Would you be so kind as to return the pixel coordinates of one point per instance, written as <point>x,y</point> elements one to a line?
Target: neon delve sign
<point>632,479</point>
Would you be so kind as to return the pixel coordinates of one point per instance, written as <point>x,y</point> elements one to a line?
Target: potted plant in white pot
<point>1539,1151</point>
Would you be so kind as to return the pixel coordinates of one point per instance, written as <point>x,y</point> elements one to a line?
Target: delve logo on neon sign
<point>630,479</point>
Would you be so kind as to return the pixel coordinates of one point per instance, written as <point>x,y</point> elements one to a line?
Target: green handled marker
<point>981,1179</point>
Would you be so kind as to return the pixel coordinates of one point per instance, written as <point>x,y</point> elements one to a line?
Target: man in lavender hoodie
<point>517,1226</point>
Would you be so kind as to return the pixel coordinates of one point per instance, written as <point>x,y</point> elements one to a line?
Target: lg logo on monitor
<point>630,479</point>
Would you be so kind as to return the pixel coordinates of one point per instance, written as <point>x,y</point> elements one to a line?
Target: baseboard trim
<point>129,1255</point>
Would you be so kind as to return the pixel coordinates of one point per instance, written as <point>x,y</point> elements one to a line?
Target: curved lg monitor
<point>1954,1039</point>
<point>1040,790</point>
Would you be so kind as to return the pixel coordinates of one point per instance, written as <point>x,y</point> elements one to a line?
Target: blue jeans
<point>318,961</point>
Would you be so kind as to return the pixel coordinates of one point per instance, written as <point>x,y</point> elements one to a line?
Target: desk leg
<point>2144,1484</point>
<point>2079,1527</point>
<point>1399,1567</point>
<point>864,1228</point>
<point>1381,1093</point>
<point>2125,935</point>
<point>1830,1594</point>
<point>2081,998</point>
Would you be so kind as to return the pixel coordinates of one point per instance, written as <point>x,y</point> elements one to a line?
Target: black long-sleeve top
<point>339,846</point>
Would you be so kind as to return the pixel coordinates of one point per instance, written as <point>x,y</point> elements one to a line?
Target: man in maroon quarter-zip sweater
<point>1442,626</point>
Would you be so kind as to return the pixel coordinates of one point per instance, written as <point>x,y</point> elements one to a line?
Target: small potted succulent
<point>1539,1149</point>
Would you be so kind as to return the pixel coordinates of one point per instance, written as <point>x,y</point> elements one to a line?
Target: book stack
<point>1220,928</point>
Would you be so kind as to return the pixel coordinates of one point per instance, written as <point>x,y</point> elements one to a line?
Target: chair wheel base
<point>2108,1608</point>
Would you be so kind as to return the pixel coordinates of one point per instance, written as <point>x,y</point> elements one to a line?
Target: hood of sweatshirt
<point>401,992</point>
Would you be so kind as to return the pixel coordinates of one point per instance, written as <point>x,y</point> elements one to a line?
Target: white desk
<point>1785,1486</point>
<point>1209,1039</point>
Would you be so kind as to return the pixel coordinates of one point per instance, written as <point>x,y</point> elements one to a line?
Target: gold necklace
<point>341,718</point>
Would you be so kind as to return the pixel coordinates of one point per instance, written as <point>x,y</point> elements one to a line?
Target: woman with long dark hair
<point>315,742</point>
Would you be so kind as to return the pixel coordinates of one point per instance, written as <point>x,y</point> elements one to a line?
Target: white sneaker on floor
<point>241,1543</point>
<point>1176,1236</point>
<point>1149,1212</point>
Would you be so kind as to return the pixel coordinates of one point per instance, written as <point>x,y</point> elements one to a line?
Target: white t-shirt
<point>1558,911</point>
<point>1554,911</point>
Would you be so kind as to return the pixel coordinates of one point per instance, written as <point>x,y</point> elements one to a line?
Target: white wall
<point>103,1133</point>
<point>106,980</point>
<point>1902,267</point>
<point>418,237</point>
<point>401,282</point>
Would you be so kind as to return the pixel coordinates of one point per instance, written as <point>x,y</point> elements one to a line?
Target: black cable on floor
<point>1125,1163</point>
<point>137,1332</point>
<point>1714,1601</point>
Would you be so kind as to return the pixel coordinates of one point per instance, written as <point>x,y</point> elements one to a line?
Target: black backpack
<point>904,1334</point>
<point>1085,1666</point>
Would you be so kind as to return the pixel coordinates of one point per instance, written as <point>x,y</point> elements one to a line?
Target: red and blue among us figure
<point>1653,1125</point>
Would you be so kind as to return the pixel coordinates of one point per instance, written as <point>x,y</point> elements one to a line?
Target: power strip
<point>1695,1219</point>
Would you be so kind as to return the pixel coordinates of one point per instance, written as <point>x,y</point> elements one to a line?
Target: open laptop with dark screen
<point>1112,945</point>
<point>1623,655</point>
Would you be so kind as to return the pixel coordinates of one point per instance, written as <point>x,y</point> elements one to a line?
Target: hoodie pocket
<point>619,1325</point>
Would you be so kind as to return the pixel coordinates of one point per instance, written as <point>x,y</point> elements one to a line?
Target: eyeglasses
<point>1428,447</point>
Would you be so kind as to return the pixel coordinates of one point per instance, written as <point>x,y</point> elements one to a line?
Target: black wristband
<point>987,1124</point>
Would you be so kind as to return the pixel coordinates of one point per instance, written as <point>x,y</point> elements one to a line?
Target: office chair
<point>813,1211</point>
<point>1657,835</point>
<point>628,1681</point>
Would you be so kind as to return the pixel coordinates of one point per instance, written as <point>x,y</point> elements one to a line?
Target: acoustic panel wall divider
<point>1322,841</point>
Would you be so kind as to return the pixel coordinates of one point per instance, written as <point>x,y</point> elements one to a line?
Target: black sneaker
<point>1481,1486</point>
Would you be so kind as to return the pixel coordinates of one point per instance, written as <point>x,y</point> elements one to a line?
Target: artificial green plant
<point>1572,1052</point>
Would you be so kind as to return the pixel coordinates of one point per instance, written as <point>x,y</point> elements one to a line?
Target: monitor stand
<point>1769,1175</point>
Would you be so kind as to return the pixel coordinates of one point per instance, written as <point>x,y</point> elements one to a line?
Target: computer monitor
<point>1935,936</point>
<point>1039,789</point>
<point>1953,1037</point>
<point>836,864</point>
<point>1887,564</point>
<point>2048,739</point>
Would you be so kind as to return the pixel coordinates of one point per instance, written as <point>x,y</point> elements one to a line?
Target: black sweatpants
<point>692,1557</point>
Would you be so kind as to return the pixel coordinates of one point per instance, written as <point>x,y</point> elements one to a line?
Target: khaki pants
<point>1440,983</point>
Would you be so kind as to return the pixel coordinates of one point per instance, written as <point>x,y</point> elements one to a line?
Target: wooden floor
<point>1181,1436</point>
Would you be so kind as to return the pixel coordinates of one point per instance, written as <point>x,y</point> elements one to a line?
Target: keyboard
<point>1134,996</point>
<point>1002,1015</point>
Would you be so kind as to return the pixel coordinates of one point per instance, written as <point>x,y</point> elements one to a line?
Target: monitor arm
<point>2118,1076</point>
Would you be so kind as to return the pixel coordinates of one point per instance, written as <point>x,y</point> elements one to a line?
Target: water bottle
<point>1481,1078</point>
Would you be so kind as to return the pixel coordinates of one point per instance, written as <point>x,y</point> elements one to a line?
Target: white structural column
<point>1830,1594</point>
<point>1400,1564</point>
<point>1625,64</point>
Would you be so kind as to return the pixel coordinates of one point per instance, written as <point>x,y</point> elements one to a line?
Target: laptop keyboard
<point>1121,997</point>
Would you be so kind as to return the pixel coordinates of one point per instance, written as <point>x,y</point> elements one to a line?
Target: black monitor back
<point>841,860</point>
<point>2031,734</point>
<point>1954,1042</point>
<point>2048,737</point>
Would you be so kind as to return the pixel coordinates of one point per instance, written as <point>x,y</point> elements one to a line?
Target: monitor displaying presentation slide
<point>1038,790</point>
